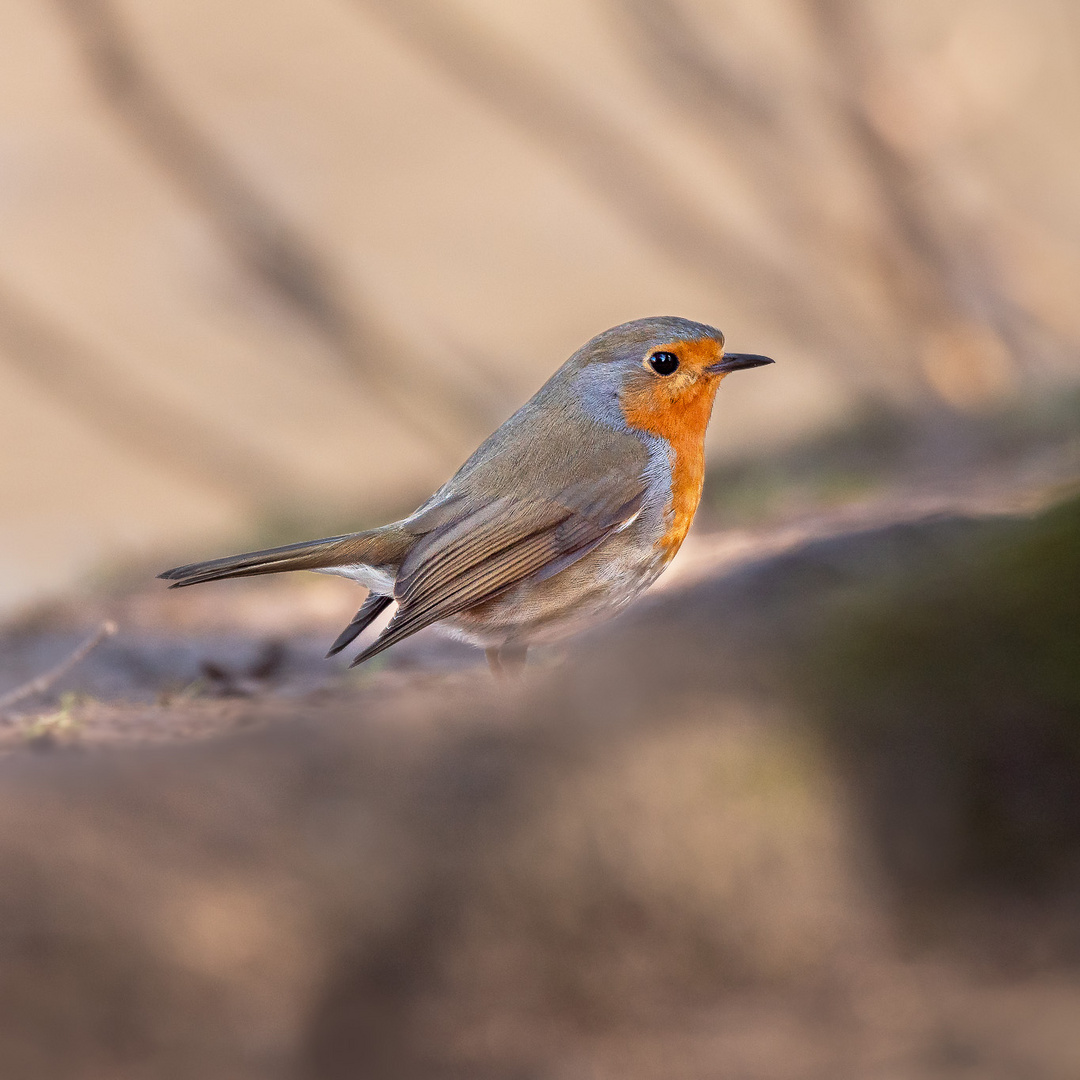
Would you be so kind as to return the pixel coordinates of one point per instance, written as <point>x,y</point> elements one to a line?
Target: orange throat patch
<point>678,411</point>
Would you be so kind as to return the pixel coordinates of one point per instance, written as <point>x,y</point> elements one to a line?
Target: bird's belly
<point>594,588</point>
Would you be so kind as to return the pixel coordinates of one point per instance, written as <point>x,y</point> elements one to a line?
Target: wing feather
<point>369,611</point>
<point>459,545</point>
<point>464,563</point>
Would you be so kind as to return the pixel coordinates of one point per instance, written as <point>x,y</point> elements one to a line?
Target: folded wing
<point>468,555</point>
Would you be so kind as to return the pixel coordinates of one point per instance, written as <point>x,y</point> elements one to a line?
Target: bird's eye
<point>664,363</point>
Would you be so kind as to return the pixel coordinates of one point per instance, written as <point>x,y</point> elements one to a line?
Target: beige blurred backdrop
<point>290,260</point>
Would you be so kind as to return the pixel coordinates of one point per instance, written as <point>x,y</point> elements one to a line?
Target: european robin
<point>562,516</point>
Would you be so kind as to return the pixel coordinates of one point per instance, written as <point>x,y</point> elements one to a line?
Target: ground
<point>684,847</point>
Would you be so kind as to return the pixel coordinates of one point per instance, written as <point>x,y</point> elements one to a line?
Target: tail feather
<point>378,547</point>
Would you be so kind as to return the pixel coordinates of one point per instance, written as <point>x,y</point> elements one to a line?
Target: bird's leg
<point>507,661</point>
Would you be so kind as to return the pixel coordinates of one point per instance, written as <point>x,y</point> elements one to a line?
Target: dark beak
<point>736,361</point>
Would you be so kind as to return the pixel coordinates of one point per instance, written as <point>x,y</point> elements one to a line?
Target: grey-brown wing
<point>372,607</point>
<point>467,561</point>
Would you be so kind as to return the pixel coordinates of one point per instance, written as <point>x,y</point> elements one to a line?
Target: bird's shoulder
<point>548,448</point>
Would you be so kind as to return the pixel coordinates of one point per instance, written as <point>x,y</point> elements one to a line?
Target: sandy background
<point>269,268</point>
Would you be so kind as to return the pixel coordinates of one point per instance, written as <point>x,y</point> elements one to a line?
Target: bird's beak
<point>736,361</point>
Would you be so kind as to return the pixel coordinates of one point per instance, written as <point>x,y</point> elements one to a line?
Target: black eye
<point>664,363</point>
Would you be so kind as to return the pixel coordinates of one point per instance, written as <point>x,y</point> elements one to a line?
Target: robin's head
<point>660,374</point>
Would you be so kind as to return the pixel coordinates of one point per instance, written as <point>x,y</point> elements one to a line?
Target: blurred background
<point>276,267</point>
<point>809,810</point>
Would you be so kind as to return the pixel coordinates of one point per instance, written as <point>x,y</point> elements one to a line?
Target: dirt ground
<point>656,855</point>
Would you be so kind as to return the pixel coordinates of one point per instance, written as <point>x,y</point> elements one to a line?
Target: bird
<point>560,518</point>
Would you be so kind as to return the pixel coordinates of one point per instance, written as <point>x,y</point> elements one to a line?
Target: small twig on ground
<point>42,683</point>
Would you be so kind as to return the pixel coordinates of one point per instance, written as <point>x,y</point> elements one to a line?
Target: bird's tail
<point>378,547</point>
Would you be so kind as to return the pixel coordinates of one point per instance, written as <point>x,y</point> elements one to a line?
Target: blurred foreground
<point>813,814</point>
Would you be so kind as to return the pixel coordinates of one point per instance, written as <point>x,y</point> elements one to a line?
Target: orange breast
<point>678,412</point>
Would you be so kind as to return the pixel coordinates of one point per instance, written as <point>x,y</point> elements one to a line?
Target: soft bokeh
<point>282,262</point>
<point>809,810</point>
